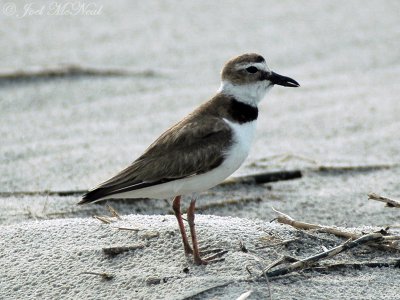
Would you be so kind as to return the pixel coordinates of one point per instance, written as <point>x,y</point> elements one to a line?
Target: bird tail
<point>94,195</point>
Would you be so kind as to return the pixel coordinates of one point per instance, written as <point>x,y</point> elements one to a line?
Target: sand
<point>71,133</point>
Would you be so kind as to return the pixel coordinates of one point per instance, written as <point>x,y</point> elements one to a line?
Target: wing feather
<point>192,146</point>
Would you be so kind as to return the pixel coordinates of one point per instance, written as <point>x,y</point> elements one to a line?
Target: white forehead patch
<point>259,65</point>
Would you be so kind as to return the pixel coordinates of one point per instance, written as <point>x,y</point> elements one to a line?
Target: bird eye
<point>252,70</point>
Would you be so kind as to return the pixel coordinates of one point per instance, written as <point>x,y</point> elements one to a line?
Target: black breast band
<point>242,112</point>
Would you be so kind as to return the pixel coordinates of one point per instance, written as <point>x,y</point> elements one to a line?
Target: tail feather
<point>101,192</point>
<point>95,195</point>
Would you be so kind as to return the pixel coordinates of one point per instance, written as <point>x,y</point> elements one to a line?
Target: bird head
<point>248,78</point>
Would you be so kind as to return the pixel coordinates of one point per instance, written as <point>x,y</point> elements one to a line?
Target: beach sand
<point>70,133</point>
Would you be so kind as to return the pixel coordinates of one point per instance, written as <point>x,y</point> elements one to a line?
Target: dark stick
<point>358,265</point>
<point>285,219</point>
<point>307,262</point>
<point>264,177</point>
<point>43,193</point>
<point>249,179</point>
<point>258,178</point>
<point>103,275</point>
<point>71,71</point>
<point>389,202</point>
<point>114,251</point>
<point>355,168</point>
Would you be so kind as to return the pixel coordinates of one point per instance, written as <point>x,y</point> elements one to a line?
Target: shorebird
<point>201,150</point>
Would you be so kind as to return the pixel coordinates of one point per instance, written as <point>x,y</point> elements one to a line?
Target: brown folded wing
<point>193,146</point>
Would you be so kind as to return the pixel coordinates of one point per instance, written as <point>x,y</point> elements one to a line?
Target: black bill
<point>282,80</point>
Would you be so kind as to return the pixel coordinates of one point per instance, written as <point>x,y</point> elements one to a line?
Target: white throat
<point>250,94</point>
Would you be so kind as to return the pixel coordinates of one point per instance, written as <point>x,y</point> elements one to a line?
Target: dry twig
<point>43,193</point>
<point>104,275</point>
<point>113,211</point>
<point>113,251</point>
<point>249,179</point>
<point>104,219</point>
<point>244,295</point>
<point>71,70</point>
<point>128,229</point>
<point>258,178</point>
<point>389,240</point>
<point>358,265</point>
<point>310,261</point>
<point>264,177</point>
<point>389,202</point>
<point>279,261</point>
<point>354,168</point>
<point>285,219</point>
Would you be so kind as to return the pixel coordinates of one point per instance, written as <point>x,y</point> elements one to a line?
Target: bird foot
<point>207,256</point>
<point>206,251</point>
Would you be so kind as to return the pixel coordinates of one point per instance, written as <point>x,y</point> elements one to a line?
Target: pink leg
<point>190,217</point>
<point>176,206</point>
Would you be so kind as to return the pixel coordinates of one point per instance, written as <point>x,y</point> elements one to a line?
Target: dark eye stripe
<point>252,69</point>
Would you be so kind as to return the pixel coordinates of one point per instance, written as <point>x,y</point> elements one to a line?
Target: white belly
<point>242,136</point>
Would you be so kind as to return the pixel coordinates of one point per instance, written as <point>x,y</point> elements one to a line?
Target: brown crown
<point>230,73</point>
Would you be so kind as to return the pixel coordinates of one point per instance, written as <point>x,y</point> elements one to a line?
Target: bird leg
<point>176,206</point>
<point>190,216</point>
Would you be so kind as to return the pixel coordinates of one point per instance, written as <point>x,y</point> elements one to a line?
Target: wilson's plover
<point>201,150</point>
